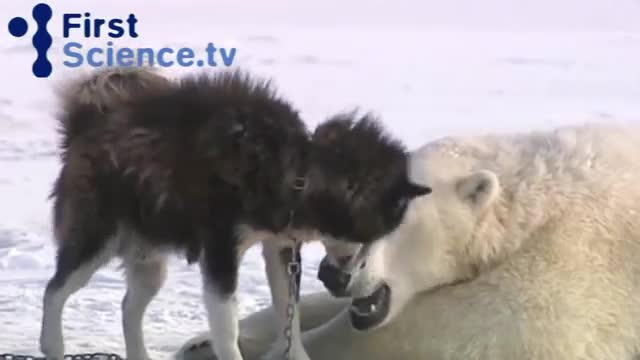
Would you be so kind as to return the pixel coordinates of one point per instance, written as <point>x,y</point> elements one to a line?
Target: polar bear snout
<point>334,278</point>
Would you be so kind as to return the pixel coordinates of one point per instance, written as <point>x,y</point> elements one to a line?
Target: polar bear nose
<point>333,278</point>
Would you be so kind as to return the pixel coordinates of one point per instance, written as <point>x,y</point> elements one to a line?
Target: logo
<point>41,40</point>
<point>85,25</point>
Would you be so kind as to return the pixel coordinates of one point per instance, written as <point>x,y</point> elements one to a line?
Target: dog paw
<point>138,356</point>
<point>52,346</point>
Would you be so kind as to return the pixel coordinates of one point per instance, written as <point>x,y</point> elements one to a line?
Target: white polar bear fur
<point>544,266</point>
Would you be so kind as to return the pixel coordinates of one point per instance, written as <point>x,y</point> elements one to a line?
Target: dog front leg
<point>219,266</point>
<point>277,259</point>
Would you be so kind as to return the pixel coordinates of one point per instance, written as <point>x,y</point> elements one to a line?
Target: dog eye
<point>399,207</point>
<point>401,203</point>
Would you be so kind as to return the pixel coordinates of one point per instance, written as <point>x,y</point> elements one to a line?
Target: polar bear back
<point>588,150</point>
<point>561,173</point>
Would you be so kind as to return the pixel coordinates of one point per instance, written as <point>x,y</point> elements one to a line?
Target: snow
<point>428,68</point>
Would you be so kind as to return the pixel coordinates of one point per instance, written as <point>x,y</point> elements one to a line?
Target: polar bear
<point>527,248</point>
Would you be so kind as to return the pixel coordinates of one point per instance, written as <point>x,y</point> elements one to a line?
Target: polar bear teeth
<point>364,310</point>
<point>372,304</point>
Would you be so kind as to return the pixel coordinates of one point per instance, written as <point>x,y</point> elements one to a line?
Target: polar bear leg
<point>257,331</point>
<point>329,335</point>
<point>443,324</point>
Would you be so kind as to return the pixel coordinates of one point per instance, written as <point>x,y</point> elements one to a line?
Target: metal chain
<point>293,269</point>
<point>93,356</point>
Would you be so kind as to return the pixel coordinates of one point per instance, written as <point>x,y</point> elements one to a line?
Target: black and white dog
<point>359,191</point>
<point>208,166</point>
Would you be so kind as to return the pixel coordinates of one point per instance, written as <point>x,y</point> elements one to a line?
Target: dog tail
<point>87,99</point>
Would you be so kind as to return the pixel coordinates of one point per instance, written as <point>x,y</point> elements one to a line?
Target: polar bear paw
<point>197,348</point>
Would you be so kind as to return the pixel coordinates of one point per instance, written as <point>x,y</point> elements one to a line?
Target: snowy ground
<point>428,69</point>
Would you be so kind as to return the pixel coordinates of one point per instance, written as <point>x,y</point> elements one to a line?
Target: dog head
<point>358,186</point>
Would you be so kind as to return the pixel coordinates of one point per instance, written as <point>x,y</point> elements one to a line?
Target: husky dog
<point>359,190</point>
<point>205,166</point>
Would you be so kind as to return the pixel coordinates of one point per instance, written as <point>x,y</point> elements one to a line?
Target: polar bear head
<point>443,238</point>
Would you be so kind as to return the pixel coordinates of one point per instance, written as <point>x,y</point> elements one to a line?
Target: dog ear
<point>479,189</point>
<point>408,191</point>
<point>412,190</point>
<point>331,130</point>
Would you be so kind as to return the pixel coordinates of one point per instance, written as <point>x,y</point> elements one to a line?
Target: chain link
<point>93,356</point>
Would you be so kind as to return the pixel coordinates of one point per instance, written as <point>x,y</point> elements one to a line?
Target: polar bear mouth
<point>368,312</point>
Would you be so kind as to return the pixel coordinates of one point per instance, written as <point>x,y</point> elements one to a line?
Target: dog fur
<point>205,166</point>
<point>358,184</point>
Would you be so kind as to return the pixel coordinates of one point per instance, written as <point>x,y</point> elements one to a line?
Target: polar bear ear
<point>479,189</point>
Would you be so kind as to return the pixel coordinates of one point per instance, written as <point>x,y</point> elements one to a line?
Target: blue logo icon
<point>41,40</point>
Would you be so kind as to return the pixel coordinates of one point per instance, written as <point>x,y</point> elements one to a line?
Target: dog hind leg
<point>145,277</point>
<point>84,248</point>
